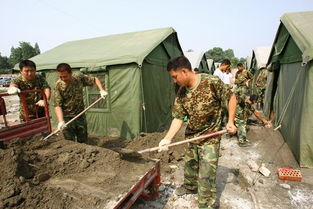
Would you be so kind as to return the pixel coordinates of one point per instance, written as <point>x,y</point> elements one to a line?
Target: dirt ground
<point>237,185</point>
<point>63,174</point>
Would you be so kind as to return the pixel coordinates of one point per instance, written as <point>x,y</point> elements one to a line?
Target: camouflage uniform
<point>39,83</point>
<point>203,105</point>
<point>70,98</point>
<point>261,85</point>
<point>240,80</point>
<point>243,112</point>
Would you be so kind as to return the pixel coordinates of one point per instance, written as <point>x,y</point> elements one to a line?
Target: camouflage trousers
<point>77,130</point>
<point>261,93</point>
<point>200,172</point>
<point>241,129</point>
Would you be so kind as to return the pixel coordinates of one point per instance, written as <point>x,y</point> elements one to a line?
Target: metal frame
<point>150,181</point>
<point>28,127</point>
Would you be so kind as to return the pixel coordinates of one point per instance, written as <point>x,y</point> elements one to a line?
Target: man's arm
<point>175,127</point>
<point>59,113</point>
<point>231,128</point>
<point>259,117</point>
<point>47,92</point>
<point>98,83</point>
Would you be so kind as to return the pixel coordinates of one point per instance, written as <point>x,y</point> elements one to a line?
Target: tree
<point>4,62</point>
<point>24,51</point>
<point>218,55</point>
<point>37,50</point>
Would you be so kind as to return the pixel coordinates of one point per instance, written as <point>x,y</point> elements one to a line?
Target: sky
<point>240,25</point>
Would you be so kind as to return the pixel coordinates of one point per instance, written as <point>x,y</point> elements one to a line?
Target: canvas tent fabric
<point>259,57</point>
<point>133,68</point>
<point>198,60</point>
<point>258,61</point>
<point>211,65</point>
<point>248,64</point>
<point>289,93</point>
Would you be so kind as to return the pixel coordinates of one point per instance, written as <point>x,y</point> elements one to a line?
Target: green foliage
<point>4,63</point>
<point>24,51</point>
<point>218,55</point>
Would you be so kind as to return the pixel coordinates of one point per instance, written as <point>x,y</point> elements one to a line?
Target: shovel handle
<point>217,133</point>
<point>79,114</point>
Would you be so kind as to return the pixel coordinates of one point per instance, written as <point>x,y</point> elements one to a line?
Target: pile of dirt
<point>64,174</point>
<point>144,141</point>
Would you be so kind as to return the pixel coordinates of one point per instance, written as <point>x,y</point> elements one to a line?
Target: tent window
<point>93,93</point>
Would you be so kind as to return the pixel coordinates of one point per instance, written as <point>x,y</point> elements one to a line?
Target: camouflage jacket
<point>39,83</point>
<point>261,79</point>
<point>202,105</point>
<point>242,77</point>
<point>70,96</point>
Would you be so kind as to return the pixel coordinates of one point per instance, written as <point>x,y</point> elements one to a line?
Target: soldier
<point>201,102</point>
<point>242,79</point>
<point>244,109</point>
<point>261,86</point>
<point>28,80</point>
<point>68,101</point>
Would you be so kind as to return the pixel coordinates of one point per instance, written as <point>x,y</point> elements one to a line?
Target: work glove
<point>41,103</point>
<point>103,93</point>
<point>163,145</point>
<point>13,90</point>
<point>61,125</point>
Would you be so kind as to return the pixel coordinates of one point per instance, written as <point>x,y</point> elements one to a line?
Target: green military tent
<point>198,60</point>
<point>133,68</point>
<point>289,93</point>
<point>248,63</point>
<point>259,58</point>
<point>211,65</point>
<point>257,63</point>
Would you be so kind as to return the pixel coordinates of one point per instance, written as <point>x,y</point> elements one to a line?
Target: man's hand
<point>41,103</point>
<point>231,128</point>
<point>103,93</point>
<point>13,90</point>
<point>163,145</point>
<point>268,124</point>
<point>61,125</point>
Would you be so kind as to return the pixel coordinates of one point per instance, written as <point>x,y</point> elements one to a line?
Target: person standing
<point>28,80</point>
<point>202,103</point>
<point>68,102</point>
<point>242,79</point>
<point>221,71</point>
<point>261,86</point>
<point>244,110</point>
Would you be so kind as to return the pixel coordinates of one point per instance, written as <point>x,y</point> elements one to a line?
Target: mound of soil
<point>64,174</point>
<point>144,141</point>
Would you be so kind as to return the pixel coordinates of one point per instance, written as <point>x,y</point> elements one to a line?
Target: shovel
<point>70,121</point>
<point>131,153</point>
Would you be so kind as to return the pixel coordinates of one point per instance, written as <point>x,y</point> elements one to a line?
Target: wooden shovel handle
<point>70,121</point>
<point>217,133</point>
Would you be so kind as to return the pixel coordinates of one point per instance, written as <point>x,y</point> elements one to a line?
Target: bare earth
<point>63,174</point>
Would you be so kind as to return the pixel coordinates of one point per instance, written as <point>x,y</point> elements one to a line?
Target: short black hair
<point>64,67</point>
<point>27,63</point>
<point>226,62</point>
<point>178,63</point>
<point>239,64</point>
<point>253,97</point>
